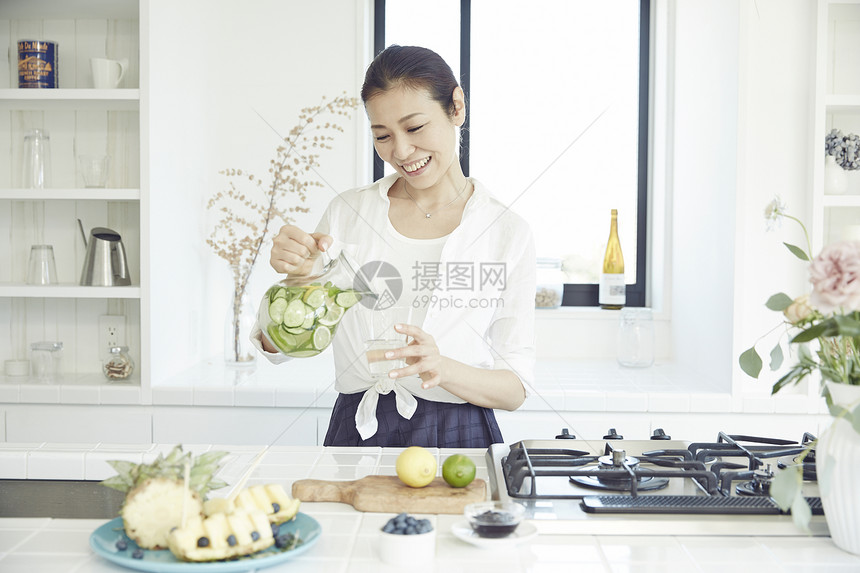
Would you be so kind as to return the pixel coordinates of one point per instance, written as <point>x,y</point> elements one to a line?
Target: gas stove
<point>659,486</point>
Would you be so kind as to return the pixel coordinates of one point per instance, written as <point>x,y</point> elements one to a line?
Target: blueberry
<point>284,540</point>
<point>389,527</point>
<point>276,528</point>
<point>203,542</point>
<point>276,507</point>
<point>138,553</point>
<point>255,535</point>
<point>122,544</point>
<point>411,530</point>
<point>231,541</point>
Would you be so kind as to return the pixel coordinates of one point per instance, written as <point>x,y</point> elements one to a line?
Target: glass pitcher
<point>299,315</point>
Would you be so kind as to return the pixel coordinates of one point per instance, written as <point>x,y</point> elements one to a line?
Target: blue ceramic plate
<point>103,541</point>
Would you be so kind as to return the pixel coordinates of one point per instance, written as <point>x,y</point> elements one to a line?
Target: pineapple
<point>156,493</point>
<point>221,536</point>
<point>270,498</point>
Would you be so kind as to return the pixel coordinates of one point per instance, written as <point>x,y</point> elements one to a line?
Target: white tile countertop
<point>349,541</point>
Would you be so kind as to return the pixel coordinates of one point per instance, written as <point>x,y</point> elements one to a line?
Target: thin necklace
<point>427,214</point>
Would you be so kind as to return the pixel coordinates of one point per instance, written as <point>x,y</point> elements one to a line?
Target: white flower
<point>773,212</point>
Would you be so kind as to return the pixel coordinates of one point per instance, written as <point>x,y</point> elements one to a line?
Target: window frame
<point>575,294</point>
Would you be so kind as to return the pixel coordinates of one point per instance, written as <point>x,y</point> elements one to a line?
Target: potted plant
<point>823,328</point>
<point>842,154</point>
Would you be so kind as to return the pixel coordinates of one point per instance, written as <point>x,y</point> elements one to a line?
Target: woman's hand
<point>294,251</point>
<point>421,355</point>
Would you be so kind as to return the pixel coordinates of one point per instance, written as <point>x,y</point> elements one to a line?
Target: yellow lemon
<point>458,470</point>
<point>416,467</point>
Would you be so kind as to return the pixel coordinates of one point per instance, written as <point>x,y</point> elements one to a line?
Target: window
<point>557,117</point>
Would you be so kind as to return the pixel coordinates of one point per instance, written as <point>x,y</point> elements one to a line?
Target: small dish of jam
<point>494,519</point>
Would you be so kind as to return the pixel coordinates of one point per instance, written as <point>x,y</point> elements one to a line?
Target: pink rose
<point>835,277</point>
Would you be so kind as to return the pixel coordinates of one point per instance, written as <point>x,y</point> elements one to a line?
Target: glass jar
<point>47,360</point>
<point>550,283</point>
<point>118,365</point>
<point>636,338</point>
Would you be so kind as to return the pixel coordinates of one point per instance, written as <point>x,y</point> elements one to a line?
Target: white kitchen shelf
<point>841,200</point>
<point>77,99</point>
<point>71,194</point>
<point>842,102</point>
<point>67,291</point>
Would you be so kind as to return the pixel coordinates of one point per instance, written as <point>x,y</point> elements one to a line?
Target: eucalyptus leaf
<point>797,251</point>
<point>785,486</point>
<point>847,326</point>
<point>779,302</point>
<point>776,357</point>
<point>801,514</point>
<point>811,333</point>
<point>750,362</point>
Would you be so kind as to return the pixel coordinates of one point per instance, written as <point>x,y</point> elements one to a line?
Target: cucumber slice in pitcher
<point>347,298</point>
<point>314,297</point>
<point>276,310</point>
<point>294,313</point>
<point>303,353</point>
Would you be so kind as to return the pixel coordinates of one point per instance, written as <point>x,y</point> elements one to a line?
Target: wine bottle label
<point>613,289</point>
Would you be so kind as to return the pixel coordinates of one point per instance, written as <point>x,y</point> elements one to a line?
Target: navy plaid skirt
<point>434,424</point>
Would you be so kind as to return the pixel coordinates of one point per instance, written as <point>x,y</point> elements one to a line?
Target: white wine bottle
<point>613,289</point>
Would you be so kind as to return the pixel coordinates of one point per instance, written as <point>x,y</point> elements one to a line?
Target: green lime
<point>458,470</point>
<point>332,316</point>
<point>322,337</point>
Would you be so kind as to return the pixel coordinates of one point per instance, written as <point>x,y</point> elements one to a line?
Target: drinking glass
<point>94,170</point>
<point>37,160</point>
<point>380,337</point>
<point>42,268</point>
<point>636,338</point>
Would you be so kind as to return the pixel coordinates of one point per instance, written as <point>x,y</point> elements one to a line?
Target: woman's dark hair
<point>412,67</point>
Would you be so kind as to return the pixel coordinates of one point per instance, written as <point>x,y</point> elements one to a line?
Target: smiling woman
<point>469,265</point>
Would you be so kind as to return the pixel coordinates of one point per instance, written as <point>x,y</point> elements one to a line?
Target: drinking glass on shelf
<point>380,337</point>
<point>36,168</point>
<point>42,269</point>
<point>94,170</point>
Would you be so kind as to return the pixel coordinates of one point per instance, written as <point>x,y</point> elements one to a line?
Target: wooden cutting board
<point>387,494</point>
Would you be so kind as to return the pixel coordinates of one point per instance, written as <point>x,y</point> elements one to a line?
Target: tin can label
<point>37,64</point>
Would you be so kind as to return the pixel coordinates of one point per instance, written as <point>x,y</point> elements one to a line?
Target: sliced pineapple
<point>154,507</point>
<point>155,492</point>
<point>270,498</point>
<point>222,536</point>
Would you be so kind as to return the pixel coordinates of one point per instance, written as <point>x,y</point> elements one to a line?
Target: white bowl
<point>407,550</point>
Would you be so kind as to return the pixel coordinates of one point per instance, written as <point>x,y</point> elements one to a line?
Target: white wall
<point>214,66</point>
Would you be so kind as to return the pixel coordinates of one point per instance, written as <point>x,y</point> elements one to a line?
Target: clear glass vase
<point>238,350</point>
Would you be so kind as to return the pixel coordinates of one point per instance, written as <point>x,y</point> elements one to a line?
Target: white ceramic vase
<point>835,178</point>
<point>837,461</point>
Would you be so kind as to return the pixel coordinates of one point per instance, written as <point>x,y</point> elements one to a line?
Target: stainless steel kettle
<point>105,263</point>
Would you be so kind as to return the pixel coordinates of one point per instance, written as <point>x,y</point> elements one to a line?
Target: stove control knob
<point>659,434</point>
<point>612,435</point>
<point>565,435</point>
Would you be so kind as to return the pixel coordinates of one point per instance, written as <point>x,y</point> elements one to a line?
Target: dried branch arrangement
<point>250,218</point>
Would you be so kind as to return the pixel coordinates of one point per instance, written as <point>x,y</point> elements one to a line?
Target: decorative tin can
<point>37,64</point>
